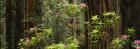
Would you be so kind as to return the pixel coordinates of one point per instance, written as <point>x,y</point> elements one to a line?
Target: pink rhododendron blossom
<point>137,41</point>
<point>138,47</point>
<point>83,5</point>
<point>124,37</point>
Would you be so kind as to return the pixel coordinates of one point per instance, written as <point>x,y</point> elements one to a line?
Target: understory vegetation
<point>68,24</point>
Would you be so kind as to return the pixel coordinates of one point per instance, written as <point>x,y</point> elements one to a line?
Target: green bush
<point>73,44</point>
<point>55,46</point>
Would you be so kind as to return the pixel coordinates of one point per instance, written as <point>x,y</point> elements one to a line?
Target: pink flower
<point>83,5</point>
<point>138,47</point>
<point>137,41</point>
<point>124,37</point>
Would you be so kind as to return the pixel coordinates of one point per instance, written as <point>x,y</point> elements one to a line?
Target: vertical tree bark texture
<point>130,11</point>
<point>124,8</point>
<point>10,24</point>
<point>135,16</point>
<point>2,25</point>
<point>29,14</point>
<point>30,8</point>
<point>20,14</point>
<point>14,25</point>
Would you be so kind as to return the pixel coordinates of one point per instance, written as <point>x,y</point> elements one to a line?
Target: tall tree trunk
<point>20,14</point>
<point>130,11</point>
<point>14,26</point>
<point>2,25</point>
<point>10,31</point>
<point>134,17</point>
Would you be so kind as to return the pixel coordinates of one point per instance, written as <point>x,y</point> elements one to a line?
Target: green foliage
<point>70,9</point>
<point>96,32</point>
<point>21,43</point>
<point>107,19</point>
<point>118,43</point>
<point>55,46</point>
<point>72,45</point>
<point>130,31</point>
<point>95,18</point>
<point>34,40</point>
<point>62,17</point>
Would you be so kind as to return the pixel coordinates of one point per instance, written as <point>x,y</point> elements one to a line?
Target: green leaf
<point>95,17</point>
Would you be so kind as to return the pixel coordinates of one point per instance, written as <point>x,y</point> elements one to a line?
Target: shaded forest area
<point>69,24</point>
